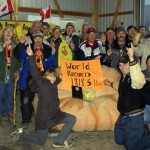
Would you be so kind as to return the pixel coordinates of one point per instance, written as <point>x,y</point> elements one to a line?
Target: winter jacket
<point>129,90</point>
<point>21,55</point>
<point>86,52</point>
<point>61,45</point>
<point>48,112</point>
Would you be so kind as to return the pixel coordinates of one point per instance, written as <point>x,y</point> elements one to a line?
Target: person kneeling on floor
<point>130,128</point>
<point>48,112</point>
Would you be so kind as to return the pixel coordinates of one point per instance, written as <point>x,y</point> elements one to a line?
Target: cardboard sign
<point>25,26</point>
<point>82,73</point>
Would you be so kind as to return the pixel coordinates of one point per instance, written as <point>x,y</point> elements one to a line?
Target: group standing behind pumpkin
<point>48,49</point>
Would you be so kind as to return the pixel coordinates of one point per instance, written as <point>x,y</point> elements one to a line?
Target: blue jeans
<point>41,136</point>
<point>147,114</point>
<point>131,133</point>
<point>6,98</point>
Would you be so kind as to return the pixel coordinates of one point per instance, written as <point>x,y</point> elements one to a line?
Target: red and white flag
<point>6,8</point>
<point>45,13</point>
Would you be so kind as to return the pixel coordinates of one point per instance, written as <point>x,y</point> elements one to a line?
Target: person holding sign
<point>90,48</point>
<point>48,112</point>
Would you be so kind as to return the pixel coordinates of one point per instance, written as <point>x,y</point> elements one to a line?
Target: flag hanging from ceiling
<point>45,13</point>
<point>6,8</point>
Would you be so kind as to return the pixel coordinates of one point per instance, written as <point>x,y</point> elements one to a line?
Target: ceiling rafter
<point>58,8</point>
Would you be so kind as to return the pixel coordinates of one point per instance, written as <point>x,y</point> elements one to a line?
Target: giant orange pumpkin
<point>98,114</point>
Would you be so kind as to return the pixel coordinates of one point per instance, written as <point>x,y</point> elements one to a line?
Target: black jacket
<point>48,112</point>
<point>129,99</point>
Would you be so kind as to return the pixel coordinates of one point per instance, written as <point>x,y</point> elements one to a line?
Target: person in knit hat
<point>71,38</point>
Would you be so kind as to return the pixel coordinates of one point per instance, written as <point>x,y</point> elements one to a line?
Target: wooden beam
<point>14,15</point>
<point>95,13</point>
<point>71,13</point>
<point>16,10</point>
<point>58,8</point>
<point>116,12</point>
<point>119,13</point>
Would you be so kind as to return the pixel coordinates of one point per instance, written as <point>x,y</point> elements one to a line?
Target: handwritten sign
<point>82,73</point>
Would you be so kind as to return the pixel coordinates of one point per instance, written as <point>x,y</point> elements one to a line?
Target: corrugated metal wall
<point>109,6</point>
<point>104,7</point>
<point>71,5</point>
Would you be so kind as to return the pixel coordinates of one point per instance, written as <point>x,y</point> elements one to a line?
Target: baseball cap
<point>124,59</point>
<point>70,24</point>
<point>56,27</point>
<point>38,34</point>
<point>120,29</point>
<point>91,30</point>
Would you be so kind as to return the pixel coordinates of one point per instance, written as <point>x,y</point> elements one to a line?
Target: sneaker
<point>54,134</point>
<point>65,145</point>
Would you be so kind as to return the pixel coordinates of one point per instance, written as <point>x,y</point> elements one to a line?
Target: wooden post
<point>14,15</point>
<point>95,13</point>
<point>116,13</point>
<point>137,15</point>
<point>16,8</point>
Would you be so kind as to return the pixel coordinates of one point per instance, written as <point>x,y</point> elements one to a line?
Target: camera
<point>129,45</point>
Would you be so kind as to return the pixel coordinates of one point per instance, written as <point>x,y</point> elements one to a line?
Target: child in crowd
<point>48,113</point>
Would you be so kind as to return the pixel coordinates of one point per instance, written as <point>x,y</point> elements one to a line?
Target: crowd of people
<point>34,61</point>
